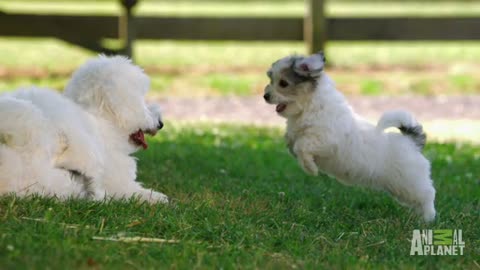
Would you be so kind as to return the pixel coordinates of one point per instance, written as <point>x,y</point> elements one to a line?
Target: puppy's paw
<point>309,166</point>
<point>429,216</point>
<point>427,211</point>
<point>302,150</point>
<point>313,171</point>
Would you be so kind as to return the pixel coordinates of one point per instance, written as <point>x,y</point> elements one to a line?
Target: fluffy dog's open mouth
<point>151,132</point>
<point>138,138</point>
<point>281,107</point>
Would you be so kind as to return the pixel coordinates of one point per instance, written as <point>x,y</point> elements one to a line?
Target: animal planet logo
<point>437,242</point>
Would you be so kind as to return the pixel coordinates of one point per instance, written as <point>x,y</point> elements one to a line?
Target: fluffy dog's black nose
<point>160,125</point>
<point>266,96</point>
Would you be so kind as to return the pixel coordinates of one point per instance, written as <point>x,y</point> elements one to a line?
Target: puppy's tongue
<point>281,107</point>
<point>139,139</point>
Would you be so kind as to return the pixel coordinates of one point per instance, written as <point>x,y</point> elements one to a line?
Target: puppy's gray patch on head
<point>276,62</point>
<point>311,66</point>
<point>284,76</point>
<point>269,75</point>
<point>322,55</point>
<point>294,77</point>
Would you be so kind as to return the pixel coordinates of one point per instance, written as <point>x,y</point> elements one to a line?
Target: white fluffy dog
<point>79,144</point>
<point>324,133</point>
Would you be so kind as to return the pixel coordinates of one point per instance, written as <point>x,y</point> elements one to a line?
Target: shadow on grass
<point>254,165</point>
<point>240,199</point>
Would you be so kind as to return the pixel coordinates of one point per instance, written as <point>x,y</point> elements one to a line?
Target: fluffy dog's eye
<point>283,83</point>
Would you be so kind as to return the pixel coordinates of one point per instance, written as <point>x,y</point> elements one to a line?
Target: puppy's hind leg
<point>427,207</point>
<point>423,191</point>
<point>419,195</point>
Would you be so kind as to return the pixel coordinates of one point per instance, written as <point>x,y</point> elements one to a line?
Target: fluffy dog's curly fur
<point>324,133</point>
<point>80,143</point>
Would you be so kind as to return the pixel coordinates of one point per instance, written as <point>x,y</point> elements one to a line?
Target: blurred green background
<point>186,68</point>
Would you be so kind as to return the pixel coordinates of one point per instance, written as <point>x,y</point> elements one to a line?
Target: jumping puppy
<point>323,133</point>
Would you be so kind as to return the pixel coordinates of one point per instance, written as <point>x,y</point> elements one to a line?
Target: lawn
<point>240,201</point>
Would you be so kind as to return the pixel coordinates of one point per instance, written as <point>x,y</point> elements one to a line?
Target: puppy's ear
<point>311,66</point>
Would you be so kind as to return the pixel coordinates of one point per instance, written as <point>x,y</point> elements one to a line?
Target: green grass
<point>371,87</point>
<point>230,84</point>
<point>240,201</point>
<point>185,68</point>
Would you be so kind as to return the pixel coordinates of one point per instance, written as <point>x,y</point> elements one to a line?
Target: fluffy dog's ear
<point>311,66</point>
<point>112,87</point>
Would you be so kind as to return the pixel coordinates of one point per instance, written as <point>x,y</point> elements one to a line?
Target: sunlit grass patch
<point>371,87</point>
<point>467,130</point>
<point>224,68</point>
<point>230,84</point>
<point>51,83</point>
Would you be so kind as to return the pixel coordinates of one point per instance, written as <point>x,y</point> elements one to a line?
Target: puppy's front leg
<point>309,149</point>
<point>303,151</point>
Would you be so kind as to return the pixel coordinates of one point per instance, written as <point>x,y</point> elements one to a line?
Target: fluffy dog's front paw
<point>154,197</point>
<point>98,194</point>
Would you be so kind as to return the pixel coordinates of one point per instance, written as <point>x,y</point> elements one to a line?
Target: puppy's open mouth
<point>138,138</point>
<point>281,107</point>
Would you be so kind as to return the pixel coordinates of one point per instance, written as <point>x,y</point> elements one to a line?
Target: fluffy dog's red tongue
<point>139,139</point>
<point>281,107</point>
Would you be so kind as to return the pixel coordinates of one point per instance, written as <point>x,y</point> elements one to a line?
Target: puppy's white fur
<point>84,135</point>
<point>324,133</point>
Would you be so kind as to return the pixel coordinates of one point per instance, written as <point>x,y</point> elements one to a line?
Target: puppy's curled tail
<point>406,123</point>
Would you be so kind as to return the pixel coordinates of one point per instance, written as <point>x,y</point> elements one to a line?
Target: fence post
<point>315,26</point>
<point>127,27</point>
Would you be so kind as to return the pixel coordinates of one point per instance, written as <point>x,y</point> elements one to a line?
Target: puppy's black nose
<point>266,96</point>
<point>160,125</point>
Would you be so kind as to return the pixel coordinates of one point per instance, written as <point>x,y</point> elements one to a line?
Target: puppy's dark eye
<point>283,83</point>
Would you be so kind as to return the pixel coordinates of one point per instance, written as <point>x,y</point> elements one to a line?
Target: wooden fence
<point>315,29</point>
